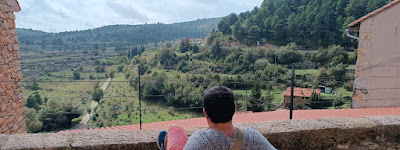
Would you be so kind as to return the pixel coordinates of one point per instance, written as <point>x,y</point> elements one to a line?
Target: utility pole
<point>291,93</point>
<point>140,102</point>
<point>246,98</point>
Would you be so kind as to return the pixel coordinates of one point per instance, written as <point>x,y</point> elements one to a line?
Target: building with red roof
<point>301,96</point>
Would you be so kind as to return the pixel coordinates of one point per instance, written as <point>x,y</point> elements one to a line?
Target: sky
<point>71,15</point>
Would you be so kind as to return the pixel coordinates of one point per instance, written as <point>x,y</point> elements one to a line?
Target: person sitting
<point>218,108</point>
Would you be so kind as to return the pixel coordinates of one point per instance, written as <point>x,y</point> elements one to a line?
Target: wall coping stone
<point>327,133</point>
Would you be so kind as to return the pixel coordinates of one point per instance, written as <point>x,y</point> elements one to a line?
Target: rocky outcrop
<point>12,118</point>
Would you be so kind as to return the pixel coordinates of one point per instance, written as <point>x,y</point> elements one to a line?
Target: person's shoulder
<point>198,140</point>
<point>255,140</point>
<point>252,135</point>
<point>249,130</point>
<point>200,133</point>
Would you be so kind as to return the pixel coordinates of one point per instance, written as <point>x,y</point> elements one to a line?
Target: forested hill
<point>132,34</point>
<point>306,22</point>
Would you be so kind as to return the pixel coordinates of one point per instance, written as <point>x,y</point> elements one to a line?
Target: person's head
<point>219,104</point>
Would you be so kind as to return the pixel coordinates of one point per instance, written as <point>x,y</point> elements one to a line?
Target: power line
<point>69,98</point>
<point>66,81</point>
<point>58,113</point>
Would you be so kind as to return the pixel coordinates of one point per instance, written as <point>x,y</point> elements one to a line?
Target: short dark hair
<point>219,104</point>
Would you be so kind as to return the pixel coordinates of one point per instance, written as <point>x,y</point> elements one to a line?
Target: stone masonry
<point>12,117</point>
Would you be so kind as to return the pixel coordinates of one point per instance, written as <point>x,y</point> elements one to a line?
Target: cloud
<point>124,10</point>
<point>68,15</point>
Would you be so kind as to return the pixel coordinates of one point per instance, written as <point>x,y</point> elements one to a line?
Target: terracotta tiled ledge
<point>381,132</point>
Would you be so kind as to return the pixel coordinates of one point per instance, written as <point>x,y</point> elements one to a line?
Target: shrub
<point>76,76</point>
<point>97,94</point>
<point>338,101</point>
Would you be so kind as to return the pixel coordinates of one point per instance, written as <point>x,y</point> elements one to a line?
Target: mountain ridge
<point>117,34</point>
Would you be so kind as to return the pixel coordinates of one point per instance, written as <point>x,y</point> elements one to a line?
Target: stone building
<point>12,117</point>
<point>300,96</point>
<point>377,75</point>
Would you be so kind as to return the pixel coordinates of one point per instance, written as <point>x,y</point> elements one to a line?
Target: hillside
<point>175,74</point>
<point>115,35</point>
<point>310,23</point>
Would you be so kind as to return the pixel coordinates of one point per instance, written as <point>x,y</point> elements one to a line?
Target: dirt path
<point>85,119</point>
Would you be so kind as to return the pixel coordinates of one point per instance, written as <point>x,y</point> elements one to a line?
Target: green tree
<point>35,85</point>
<point>97,94</point>
<point>224,27</point>
<point>338,101</point>
<point>314,98</point>
<point>76,75</point>
<point>256,102</point>
<point>156,85</point>
<point>309,23</point>
<point>226,22</point>
<point>111,73</point>
<point>254,32</point>
<point>216,50</point>
<point>356,8</point>
<point>339,71</point>
<point>34,101</point>
<point>185,45</point>
<point>288,57</point>
<point>100,69</point>
<point>239,31</point>
<point>280,31</point>
<point>166,57</point>
<point>375,4</point>
<point>196,48</point>
<point>268,99</point>
<point>33,125</point>
<point>57,115</point>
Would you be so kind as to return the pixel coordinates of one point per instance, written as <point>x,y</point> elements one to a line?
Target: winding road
<point>85,119</point>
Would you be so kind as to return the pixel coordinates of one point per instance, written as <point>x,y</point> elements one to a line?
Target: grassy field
<point>64,92</point>
<point>277,94</point>
<point>117,109</point>
<point>344,92</point>
<point>87,71</point>
<point>306,71</point>
<point>339,92</point>
<point>351,67</point>
<point>53,72</point>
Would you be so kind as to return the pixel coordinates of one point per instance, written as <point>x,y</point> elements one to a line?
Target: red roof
<point>358,21</point>
<point>258,117</point>
<point>301,92</point>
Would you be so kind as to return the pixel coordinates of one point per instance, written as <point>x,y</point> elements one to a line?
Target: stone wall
<point>12,118</point>
<point>332,133</point>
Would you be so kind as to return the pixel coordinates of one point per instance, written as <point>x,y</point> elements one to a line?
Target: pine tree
<point>130,53</point>
<point>256,101</point>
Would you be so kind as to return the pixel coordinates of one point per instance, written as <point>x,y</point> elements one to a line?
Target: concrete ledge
<point>381,132</point>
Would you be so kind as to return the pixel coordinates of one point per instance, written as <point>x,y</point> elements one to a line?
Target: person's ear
<point>235,107</point>
<point>205,113</point>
